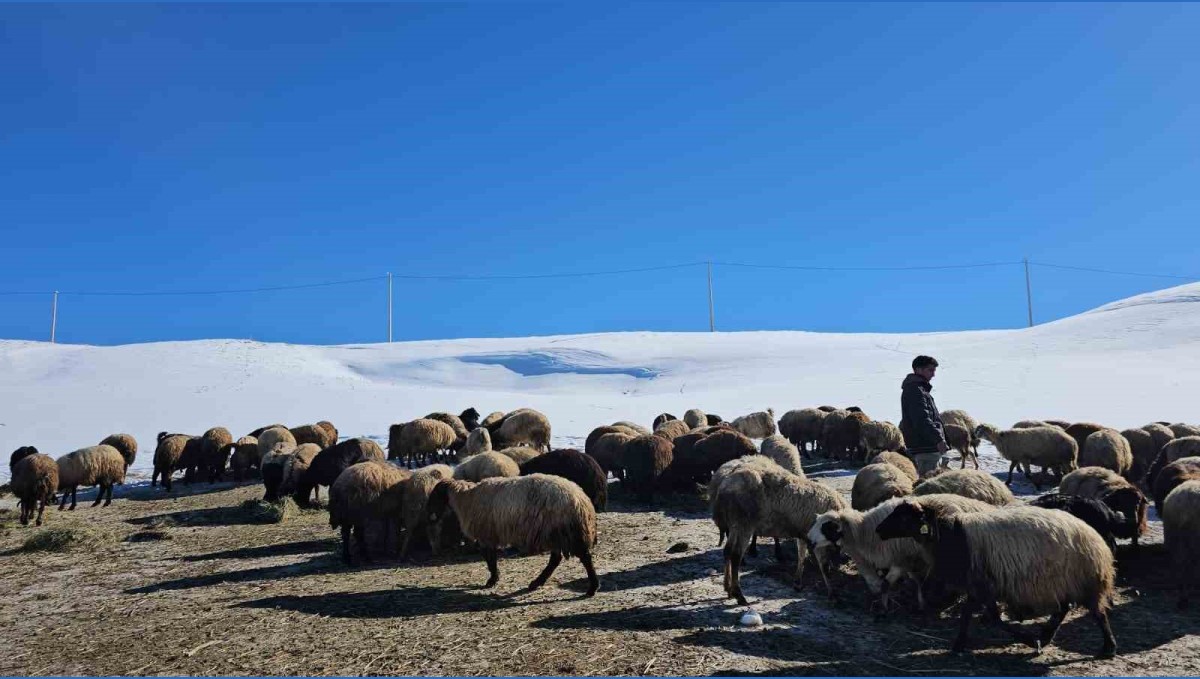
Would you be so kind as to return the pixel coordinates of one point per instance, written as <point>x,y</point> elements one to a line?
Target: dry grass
<point>64,538</point>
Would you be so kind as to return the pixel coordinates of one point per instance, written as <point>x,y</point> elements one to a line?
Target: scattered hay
<point>149,535</point>
<point>258,511</point>
<point>5,489</point>
<point>64,538</point>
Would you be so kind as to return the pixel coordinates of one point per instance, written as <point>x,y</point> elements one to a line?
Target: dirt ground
<point>190,585</point>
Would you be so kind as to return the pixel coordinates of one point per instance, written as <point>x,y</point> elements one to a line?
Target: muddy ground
<point>190,585</point>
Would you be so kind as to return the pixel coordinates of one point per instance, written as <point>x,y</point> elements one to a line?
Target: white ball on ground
<point>751,619</point>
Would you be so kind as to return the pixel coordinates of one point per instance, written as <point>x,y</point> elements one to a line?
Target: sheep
<point>876,436</point>
<point>491,419</point>
<point>1105,485</point>
<point>828,409</point>
<point>687,465</point>
<point>1141,446</point>
<point>1029,424</point>
<point>365,492</point>
<point>20,454</point>
<point>311,433</point>
<point>1172,476</point>
<point>899,461</point>
<point>596,433</point>
<point>606,451</point>
<point>327,464</point>
<point>1049,447</point>
<point>1034,560</point>
<point>802,427</point>
<point>767,500</point>
<point>695,418</point>
<point>329,429</point>
<point>470,419</point>
<point>1176,449</point>
<point>125,444</point>
<point>295,463</point>
<point>245,457</point>
<point>875,483</point>
<point>215,446</point>
<point>520,454</point>
<point>167,457</point>
<point>960,439</point>
<point>672,429</point>
<point>1106,448</point>
<point>1182,430</point>
<point>100,466</point>
<point>419,441</point>
<point>537,513</point>
<point>34,481</point>
<point>644,459</point>
<point>660,418</point>
<point>526,426</point>
<point>833,434</point>
<point>715,450</point>
<point>1161,434</point>
<point>970,483</point>
<point>485,466</point>
<point>576,467</point>
<point>712,418</point>
<point>1181,532</point>
<point>757,425</point>
<point>1094,513</point>
<point>1081,430</point>
<point>460,429</point>
<point>258,432</point>
<point>415,496</point>
<point>478,441</point>
<point>964,420</point>
<point>781,450</point>
<point>276,463</point>
<point>270,438</point>
<point>637,429</point>
<point>854,532</point>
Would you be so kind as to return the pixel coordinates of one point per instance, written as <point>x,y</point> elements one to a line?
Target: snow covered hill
<point>1123,364</point>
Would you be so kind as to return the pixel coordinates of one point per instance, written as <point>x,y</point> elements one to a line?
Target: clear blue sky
<point>176,148</point>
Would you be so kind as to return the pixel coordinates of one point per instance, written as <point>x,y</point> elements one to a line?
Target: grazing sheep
<point>168,456</point>
<point>258,432</point>
<point>834,443</point>
<point>100,466</point>
<point>1081,430</point>
<point>486,466</point>
<point>536,514</point>
<point>802,427</point>
<point>964,420</point>
<point>1171,477</point>
<point>960,439</point>
<point>781,450</point>
<point>1181,532</point>
<point>125,444</point>
<point>311,433</point>
<point>722,473</point>
<point>327,464</point>
<point>767,500</point>
<point>524,426</point>
<point>1161,434</point>
<point>672,429</point>
<point>644,459</point>
<point>662,417</point>
<point>876,483</point>
<point>876,436</point>
<point>637,429</point>
<point>1105,485</point>
<point>215,446</point>
<point>757,425</point>
<point>970,483</point>
<point>1176,449</point>
<point>269,439</point>
<point>365,492</point>
<point>1093,512</point>
<point>596,433</point>
<point>20,454</point>
<point>1106,448</point>
<point>899,461</point>
<point>1061,424</point>
<point>607,450</point>
<point>715,450</point>
<point>330,429</point>
<point>34,481</point>
<point>295,464</point>
<point>695,418</point>
<point>470,419</point>
<point>687,465</point>
<point>520,454</point>
<point>460,429</point>
<point>415,494</point>
<point>712,418</point>
<point>419,441</point>
<point>576,467</point>
<point>1035,561</point>
<point>854,532</point>
<point>491,419</point>
<point>1181,430</point>
<point>1048,447</point>
<point>1029,424</point>
<point>245,457</point>
<point>1141,446</point>
<point>478,441</point>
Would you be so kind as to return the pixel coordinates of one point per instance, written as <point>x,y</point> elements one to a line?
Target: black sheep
<point>20,454</point>
<point>574,466</point>
<point>328,463</point>
<point>1094,513</point>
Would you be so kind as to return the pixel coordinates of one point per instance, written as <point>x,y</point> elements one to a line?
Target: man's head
<point>925,366</point>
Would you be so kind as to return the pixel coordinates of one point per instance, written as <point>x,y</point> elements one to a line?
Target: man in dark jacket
<point>920,422</point>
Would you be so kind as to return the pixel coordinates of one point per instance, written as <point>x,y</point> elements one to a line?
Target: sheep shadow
<point>266,551</point>
<point>402,602</point>
<point>148,493</point>
<point>677,504</point>
<point>694,566</point>
<point>639,619</point>
<point>325,563</point>
<point>211,516</point>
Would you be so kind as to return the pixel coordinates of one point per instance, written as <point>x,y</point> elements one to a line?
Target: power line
<point>934,267</point>
<point>1118,273</point>
<point>171,293</point>
<point>514,277</point>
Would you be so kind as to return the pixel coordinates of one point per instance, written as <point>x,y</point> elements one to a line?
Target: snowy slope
<point>1123,364</point>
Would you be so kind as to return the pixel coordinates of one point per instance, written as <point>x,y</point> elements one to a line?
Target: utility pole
<point>389,307</point>
<point>712,326</point>
<point>54,317</point>
<point>1028,293</point>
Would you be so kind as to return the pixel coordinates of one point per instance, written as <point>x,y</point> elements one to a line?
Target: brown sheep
<point>958,438</point>
<point>100,466</point>
<point>672,429</point>
<point>1081,430</point>
<point>125,444</point>
<point>34,482</point>
<point>644,459</point>
<point>456,423</point>
<point>366,492</point>
<point>311,433</point>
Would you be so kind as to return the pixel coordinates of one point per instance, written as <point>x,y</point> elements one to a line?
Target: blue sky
<point>186,148</point>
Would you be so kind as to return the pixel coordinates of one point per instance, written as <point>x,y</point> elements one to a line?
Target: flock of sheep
<point>495,483</point>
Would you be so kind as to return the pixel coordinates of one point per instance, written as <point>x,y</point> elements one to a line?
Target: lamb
<point>1160,433</point>
<point>1141,446</point>
<point>876,483</point>
<point>1002,549</point>
<point>606,451</point>
<point>644,459</point>
<point>1105,485</point>
<point>779,449</point>
<point>695,418</point>
<point>1094,513</point>
<point>416,490</point>
<point>470,419</point>
<point>365,492</point>
<point>576,467</point>
<point>100,466</point>
<point>491,419</point>
<point>486,466</point>
<point>460,429</point>
<point>1171,477</point>
<point>311,433</point>
<point>478,441</point>
<point>1182,430</point>
<point>526,426</point>
<point>520,454</point>
<point>964,420</point>
<point>637,429</point>
<point>803,427</point>
<point>1049,447</point>
<point>1081,430</point>
<point>1181,532</point>
<point>327,464</point>
<point>537,513</point>
<point>767,500</point>
<point>899,461</point>
<point>970,483</point>
<point>270,438</point>
<point>167,457</point>
<point>659,419</point>
<point>245,457</point>
<point>672,429</point>
<point>419,441</point>
<point>125,444</point>
<point>34,481</point>
<point>877,436</point>
<point>757,425</point>
<point>854,532</point>
<point>1106,448</point>
<point>960,439</point>
<point>215,446</point>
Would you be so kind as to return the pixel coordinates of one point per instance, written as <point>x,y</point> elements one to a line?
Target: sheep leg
<point>1051,627</point>
<point>406,544</point>
<point>1011,467</point>
<point>41,511</point>
<point>360,536</point>
<point>964,622</point>
<point>99,494</point>
<point>555,559</point>
<point>489,555</point>
<point>753,551</point>
<point>25,512</point>
<point>779,551</point>
<point>1110,642</point>
<point>975,457</point>
<point>108,496</point>
<point>585,558</point>
<point>733,561</point>
<point>346,545</point>
<point>74,498</point>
